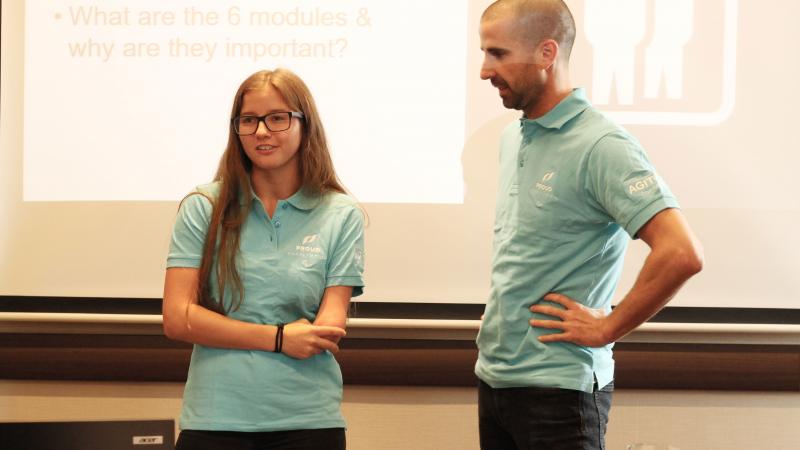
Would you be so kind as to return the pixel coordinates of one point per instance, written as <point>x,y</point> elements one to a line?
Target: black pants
<point>542,418</point>
<point>322,439</point>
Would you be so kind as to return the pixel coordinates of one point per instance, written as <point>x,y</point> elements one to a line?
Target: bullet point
<point>58,16</point>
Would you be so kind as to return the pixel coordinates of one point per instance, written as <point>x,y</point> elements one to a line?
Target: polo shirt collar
<point>303,200</point>
<point>572,105</point>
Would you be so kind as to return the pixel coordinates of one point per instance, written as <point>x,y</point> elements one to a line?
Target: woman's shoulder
<point>341,207</point>
<point>208,190</point>
<point>340,201</point>
<point>200,200</point>
<point>203,194</point>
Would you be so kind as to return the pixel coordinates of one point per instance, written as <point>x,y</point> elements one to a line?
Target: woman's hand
<point>303,340</point>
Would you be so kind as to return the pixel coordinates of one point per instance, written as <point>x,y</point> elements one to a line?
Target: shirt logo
<point>642,184</point>
<point>358,256</point>
<point>307,248</point>
<point>542,186</point>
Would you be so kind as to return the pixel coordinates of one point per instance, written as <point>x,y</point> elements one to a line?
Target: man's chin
<point>510,103</point>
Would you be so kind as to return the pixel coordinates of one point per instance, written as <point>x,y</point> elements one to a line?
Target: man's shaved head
<point>538,20</point>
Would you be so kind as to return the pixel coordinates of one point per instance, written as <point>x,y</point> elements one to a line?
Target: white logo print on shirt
<point>642,184</point>
<point>307,248</point>
<point>540,185</point>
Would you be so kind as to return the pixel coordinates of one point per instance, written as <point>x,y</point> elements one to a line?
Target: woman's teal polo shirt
<point>285,263</point>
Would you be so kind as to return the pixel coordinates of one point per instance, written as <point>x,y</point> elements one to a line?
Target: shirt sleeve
<point>624,183</point>
<point>189,233</point>
<point>346,265</point>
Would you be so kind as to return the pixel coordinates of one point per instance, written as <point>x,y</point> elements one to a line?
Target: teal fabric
<point>574,187</point>
<point>285,263</point>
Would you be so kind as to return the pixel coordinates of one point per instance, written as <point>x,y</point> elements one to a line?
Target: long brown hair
<point>232,205</point>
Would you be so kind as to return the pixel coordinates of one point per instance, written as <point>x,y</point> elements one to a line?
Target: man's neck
<point>557,88</point>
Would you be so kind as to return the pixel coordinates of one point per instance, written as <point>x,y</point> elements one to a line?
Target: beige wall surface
<point>395,418</point>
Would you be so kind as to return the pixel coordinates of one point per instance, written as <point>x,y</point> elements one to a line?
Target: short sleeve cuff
<point>193,263</point>
<point>648,212</point>
<point>357,283</point>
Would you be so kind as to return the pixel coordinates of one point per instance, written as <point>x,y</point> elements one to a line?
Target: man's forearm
<point>662,275</point>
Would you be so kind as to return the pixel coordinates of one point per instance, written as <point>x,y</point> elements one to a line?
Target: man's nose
<point>487,71</point>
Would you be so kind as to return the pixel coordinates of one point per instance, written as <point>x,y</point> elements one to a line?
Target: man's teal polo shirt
<point>573,188</point>
<point>285,263</point>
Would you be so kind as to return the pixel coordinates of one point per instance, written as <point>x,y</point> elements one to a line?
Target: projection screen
<point>113,110</point>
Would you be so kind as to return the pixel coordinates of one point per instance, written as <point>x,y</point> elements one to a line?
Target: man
<point>574,187</point>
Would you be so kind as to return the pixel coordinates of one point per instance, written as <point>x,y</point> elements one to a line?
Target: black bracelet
<point>279,338</point>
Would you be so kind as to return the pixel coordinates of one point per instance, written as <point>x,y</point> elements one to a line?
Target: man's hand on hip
<point>579,324</point>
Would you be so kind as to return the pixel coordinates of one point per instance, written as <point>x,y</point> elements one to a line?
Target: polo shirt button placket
<point>528,131</point>
<point>276,223</point>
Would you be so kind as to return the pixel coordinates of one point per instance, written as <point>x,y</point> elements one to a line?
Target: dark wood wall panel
<point>400,362</point>
<point>733,367</point>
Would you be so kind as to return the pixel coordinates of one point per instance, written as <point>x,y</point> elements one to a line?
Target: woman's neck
<point>271,187</point>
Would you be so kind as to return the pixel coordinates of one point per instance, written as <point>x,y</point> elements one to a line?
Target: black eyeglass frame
<point>263,118</point>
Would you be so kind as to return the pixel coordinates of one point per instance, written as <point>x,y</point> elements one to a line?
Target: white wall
<point>395,418</point>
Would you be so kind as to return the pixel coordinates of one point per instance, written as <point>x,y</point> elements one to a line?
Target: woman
<point>262,265</point>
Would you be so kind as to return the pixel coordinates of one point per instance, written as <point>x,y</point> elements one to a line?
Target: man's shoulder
<point>595,130</point>
<point>596,124</point>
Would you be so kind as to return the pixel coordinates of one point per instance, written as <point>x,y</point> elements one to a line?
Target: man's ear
<point>547,53</point>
